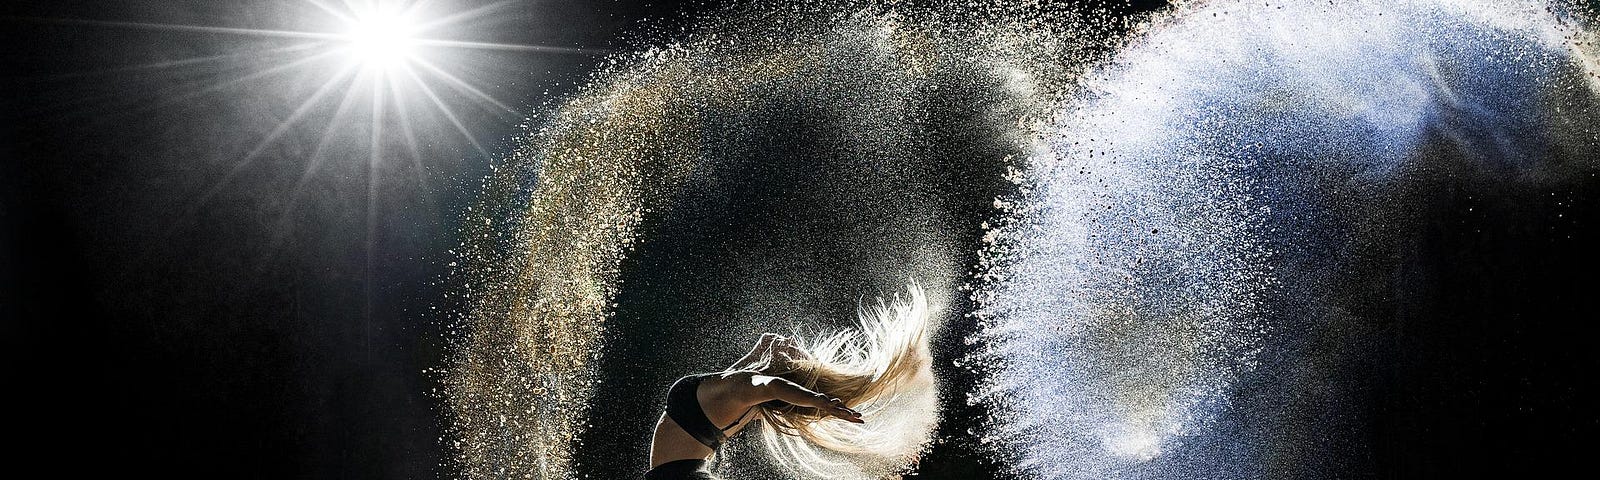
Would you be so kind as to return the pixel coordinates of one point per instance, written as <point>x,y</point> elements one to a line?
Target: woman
<point>804,396</point>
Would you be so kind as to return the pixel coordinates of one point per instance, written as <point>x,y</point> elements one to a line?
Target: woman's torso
<point>718,397</point>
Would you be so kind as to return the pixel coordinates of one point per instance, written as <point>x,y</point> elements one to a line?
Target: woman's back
<point>702,408</point>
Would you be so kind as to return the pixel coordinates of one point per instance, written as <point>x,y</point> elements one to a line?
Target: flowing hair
<point>883,369</point>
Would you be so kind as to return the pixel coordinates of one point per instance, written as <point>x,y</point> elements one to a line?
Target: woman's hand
<point>835,407</point>
<point>788,348</point>
<point>767,339</point>
<point>762,350</point>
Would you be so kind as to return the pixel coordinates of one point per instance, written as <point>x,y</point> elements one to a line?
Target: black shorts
<point>680,470</point>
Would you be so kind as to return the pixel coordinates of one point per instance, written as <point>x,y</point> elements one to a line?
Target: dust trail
<point>767,173</point>
<point>1217,186</point>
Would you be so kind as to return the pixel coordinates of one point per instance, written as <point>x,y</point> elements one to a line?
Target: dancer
<point>799,392</point>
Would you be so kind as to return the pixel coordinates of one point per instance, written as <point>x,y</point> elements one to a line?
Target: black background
<point>144,336</point>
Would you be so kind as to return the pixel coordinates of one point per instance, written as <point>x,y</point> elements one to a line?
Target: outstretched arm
<point>768,387</point>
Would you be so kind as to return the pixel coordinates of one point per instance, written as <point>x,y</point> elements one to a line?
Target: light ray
<point>176,27</point>
<point>411,140</point>
<point>464,86</point>
<point>342,16</point>
<point>96,103</point>
<point>446,111</point>
<point>165,100</point>
<point>448,19</point>
<point>182,62</point>
<point>272,137</point>
<point>429,42</point>
<point>374,154</point>
<point>312,164</point>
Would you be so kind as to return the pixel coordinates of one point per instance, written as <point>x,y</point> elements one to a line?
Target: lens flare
<point>382,40</point>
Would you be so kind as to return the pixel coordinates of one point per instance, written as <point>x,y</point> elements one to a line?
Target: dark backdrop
<point>259,333</point>
<point>255,332</point>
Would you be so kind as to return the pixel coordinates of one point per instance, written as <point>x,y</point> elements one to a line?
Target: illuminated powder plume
<point>542,267</point>
<point>1222,165</point>
<point>1175,220</point>
<point>866,102</point>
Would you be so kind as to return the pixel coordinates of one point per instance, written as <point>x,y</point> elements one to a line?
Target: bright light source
<point>381,40</point>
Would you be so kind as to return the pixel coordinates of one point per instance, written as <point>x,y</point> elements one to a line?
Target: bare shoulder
<point>746,387</point>
<point>734,380</point>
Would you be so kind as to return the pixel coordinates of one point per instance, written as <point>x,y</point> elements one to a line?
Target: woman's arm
<point>767,387</point>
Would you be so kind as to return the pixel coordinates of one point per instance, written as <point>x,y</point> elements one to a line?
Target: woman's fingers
<point>849,415</point>
<point>843,412</point>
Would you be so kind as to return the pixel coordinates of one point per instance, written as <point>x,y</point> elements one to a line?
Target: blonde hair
<point>882,370</point>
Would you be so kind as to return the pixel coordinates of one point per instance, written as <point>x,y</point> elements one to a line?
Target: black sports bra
<point>684,408</point>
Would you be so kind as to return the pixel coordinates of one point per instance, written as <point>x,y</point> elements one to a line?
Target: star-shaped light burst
<point>404,56</point>
<point>394,47</point>
<point>379,79</point>
<point>352,82</point>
